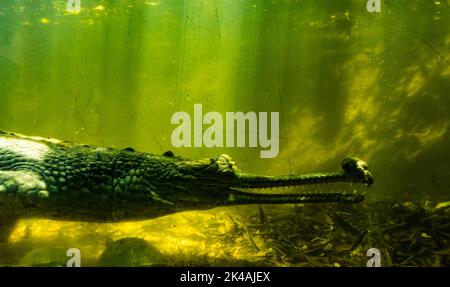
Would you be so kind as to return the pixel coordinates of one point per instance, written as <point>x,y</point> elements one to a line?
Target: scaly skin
<point>51,179</point>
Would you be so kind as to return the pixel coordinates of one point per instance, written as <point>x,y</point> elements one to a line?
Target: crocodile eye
<point>225,163</point>
<point>362,164</point>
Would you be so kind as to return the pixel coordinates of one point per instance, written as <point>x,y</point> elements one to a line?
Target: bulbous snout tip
<point>357,170</point>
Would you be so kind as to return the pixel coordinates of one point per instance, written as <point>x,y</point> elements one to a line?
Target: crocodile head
<point>220,182</point>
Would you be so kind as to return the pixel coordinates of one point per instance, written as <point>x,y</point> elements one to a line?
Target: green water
<point>345,81</point>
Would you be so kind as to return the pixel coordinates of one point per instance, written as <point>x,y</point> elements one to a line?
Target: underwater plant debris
<point>414,233</point>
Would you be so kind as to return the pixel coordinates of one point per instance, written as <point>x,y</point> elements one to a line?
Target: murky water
<point>344,81</point>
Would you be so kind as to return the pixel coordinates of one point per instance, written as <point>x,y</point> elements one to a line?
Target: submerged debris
<point>406,233</point>
<point>415,233</point>
<point>332,235</point>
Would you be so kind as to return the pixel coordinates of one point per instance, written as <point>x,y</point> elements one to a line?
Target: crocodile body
<point>47,178</point>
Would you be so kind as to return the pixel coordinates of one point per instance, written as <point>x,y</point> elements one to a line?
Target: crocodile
<point>61,180</point>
